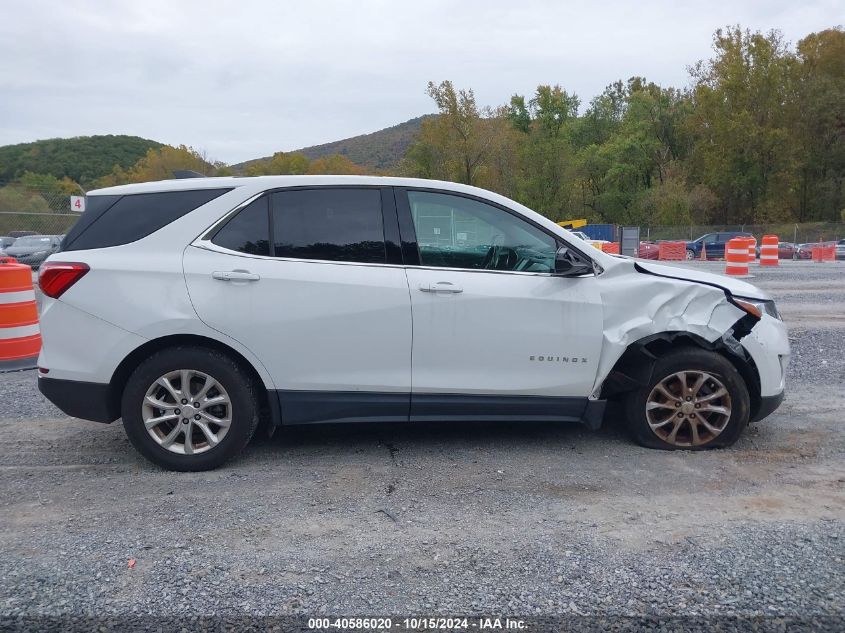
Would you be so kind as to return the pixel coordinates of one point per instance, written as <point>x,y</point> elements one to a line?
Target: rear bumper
<point>768,404</point>
<point>86,400</point>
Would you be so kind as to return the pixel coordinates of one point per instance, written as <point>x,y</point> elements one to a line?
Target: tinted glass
<point>133,217</point>
<point>33,241</point>
<point>249,230</point>
<point>457,232</point>
<point>343,225</point>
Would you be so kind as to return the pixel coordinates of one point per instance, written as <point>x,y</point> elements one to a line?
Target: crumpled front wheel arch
<point>634,368</point>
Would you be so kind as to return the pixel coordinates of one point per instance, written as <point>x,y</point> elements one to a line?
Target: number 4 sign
<point>77,203</point>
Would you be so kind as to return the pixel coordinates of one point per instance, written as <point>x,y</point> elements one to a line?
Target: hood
<point>736,287</point>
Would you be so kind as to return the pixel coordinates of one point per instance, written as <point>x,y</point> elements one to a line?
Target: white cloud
<point>245,79</point>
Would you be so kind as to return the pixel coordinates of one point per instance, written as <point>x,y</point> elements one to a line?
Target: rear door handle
<point>442,286</point>
<point>235,275</point>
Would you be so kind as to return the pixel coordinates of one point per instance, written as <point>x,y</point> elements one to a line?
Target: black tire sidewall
<point>691,360</point>
<point>227,372</point>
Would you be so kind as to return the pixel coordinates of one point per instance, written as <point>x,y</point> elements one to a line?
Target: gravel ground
<point>500,520</point>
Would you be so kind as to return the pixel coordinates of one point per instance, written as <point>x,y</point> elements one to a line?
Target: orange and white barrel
<point>752,249</point>
<point>769,251</point>
<point>20,337</point>
<point>736,257</point>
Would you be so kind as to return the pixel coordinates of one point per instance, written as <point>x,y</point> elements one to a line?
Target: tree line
<point>758,136</point>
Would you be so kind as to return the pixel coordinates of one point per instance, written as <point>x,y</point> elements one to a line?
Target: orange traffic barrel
<point>752,249</point>
<point>769,251</point>
<point>20,338</point>
<point>736,257</point>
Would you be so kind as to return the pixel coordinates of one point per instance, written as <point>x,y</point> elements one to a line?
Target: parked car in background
<point>5,242</point>
<point>804,251</point>
<point>840,249</point>
<point>34,249</point>
<point>648,250</point>
<point>17,234</point>
<point>713,243</point>
<point>786,250</point>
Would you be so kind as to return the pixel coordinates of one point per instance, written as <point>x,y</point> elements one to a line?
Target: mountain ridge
<point>380,150</point>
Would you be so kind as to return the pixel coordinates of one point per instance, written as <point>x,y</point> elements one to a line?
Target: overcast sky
<point>244,79</point>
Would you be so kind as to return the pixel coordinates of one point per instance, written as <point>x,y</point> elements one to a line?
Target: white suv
<point>190,308</point>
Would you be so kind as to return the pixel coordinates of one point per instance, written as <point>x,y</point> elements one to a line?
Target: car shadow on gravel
<point>467,435</point>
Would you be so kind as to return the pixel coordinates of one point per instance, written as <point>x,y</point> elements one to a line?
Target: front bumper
<point>768,404</point>
<point>86,400</point>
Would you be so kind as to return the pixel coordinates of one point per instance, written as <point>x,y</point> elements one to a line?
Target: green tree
<point>160,164</point>
<point>282,163</point>
<point>819,114</point>
<point>742,146</point>
<point>456,145</point>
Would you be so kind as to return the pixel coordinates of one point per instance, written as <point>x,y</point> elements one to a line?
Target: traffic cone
<point>703,252</point>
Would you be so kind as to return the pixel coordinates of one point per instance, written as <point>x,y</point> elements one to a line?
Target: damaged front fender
<point>641,307</point>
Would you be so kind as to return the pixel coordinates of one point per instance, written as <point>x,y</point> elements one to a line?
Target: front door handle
<point>442,286</point>
<point>235,275</point>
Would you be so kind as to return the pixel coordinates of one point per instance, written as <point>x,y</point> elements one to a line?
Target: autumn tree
<point>160,164</point>
<point>455,145</point>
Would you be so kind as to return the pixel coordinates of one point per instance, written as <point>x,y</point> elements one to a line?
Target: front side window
<point>249,231</point>
<point>334,224</point>
<point>457,232</point>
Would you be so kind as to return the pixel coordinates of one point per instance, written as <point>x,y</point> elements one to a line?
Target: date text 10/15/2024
<point>417,623</point>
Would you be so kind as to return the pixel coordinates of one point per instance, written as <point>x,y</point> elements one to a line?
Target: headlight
<point>764,307</point>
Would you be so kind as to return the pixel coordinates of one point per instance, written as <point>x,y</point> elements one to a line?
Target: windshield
<point>32,241</point>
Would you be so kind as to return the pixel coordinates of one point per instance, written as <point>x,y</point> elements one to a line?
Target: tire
<point>233,397</point>
<point>690,254</point>
<point>696,364</point>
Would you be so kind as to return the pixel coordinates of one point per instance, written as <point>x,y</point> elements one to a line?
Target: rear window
<point>117,220</point>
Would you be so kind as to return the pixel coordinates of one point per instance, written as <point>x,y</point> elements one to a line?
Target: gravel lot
<point>501,520</point>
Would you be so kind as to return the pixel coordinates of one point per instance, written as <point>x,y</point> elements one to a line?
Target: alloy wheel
<point>187,412</point>
<point>688,408</point>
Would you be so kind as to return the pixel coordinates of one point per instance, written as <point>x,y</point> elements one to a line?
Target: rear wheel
<point>189,408</point>
<point>695,400</point>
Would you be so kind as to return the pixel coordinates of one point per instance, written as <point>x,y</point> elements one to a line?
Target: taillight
<point>54,278</point>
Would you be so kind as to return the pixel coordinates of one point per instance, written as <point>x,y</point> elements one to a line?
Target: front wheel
<point>695,400</point>
<point>189,408</point>
<point>690,254</point>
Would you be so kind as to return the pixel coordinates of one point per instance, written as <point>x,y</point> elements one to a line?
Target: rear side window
<point>249,231</point>
<point>130,218</point>
<point>335,224</point>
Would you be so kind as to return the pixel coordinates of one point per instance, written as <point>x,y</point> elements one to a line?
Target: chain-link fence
<point>786,232</point>
<point>24,210</point>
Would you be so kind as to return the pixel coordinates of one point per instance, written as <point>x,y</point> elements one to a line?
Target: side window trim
<point>390,226</point>
<point>407,231</point>
<point>378,188</point>
<point>389,216</point>
<point>211,232</point>
<point>410,245</point>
